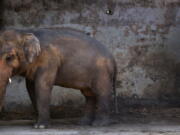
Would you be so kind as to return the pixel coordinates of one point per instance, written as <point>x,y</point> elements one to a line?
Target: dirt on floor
<point>129,121</point>
<point>127,115</point>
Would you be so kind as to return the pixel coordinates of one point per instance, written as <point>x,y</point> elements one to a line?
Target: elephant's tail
<point>114,88</point>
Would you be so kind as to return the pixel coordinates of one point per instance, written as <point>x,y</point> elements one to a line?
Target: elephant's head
<point>15,48</point>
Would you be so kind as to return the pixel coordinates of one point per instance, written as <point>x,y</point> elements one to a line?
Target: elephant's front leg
<point>30,85</point>
<point>43,85</point>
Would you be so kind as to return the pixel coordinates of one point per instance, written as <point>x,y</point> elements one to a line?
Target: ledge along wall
<point>143,35</point>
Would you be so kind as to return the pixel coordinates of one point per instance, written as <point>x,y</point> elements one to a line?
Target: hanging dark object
<point>111,4</point>
<point>109,12</point>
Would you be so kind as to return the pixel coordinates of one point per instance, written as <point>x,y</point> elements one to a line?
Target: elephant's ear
<point>31,46</point>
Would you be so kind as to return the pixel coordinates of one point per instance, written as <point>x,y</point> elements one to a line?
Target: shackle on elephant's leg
<point>10,80</point>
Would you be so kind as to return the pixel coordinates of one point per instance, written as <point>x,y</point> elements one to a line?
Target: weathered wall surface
<point>143,35</point>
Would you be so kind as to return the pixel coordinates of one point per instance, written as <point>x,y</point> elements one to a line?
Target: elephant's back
<point>47,36</point>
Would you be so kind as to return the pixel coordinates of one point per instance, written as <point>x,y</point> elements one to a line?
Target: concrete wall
<point>143,36</point>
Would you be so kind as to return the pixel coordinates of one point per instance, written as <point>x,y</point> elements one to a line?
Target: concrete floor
<point>24,128</point>
<point>144,121</point>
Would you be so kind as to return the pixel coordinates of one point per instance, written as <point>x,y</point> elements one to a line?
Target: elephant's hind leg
<point>103,87</point>
<point>90,108</point>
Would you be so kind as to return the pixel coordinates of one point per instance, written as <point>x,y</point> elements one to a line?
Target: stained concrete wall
<point>143,36</point>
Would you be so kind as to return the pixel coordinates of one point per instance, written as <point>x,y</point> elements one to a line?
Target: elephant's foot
<point>41,125</point>
<point>86,120</point>
<point>102,121</point>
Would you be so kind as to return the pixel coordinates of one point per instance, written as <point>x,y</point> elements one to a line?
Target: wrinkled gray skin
<point>64,57</point>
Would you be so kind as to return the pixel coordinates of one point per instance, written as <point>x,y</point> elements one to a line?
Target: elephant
<point>64,57</point>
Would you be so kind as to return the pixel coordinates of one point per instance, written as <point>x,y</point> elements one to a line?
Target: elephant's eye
<point>10,57</point>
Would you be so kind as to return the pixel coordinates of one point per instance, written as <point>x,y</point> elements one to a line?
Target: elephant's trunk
<point>2,95</point>
<point>5,74</point>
